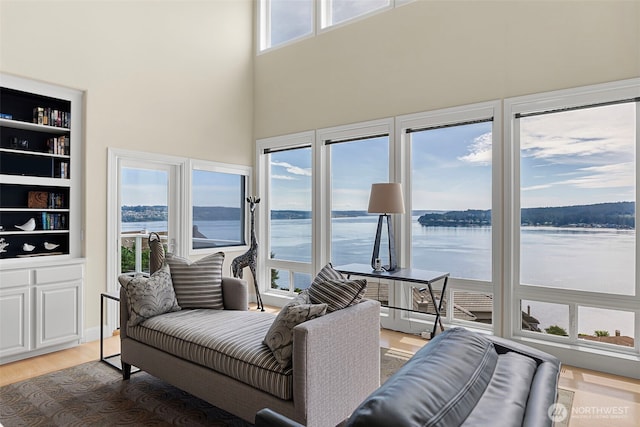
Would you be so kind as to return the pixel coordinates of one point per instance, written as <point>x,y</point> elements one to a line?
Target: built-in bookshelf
<point>37,183</point>
<point>41,264</point>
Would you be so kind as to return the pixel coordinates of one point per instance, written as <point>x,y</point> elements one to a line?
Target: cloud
<point>294,170</point>
<point>283,177</point>
<point>591,135</point>
<point>479,151</point>
<point>607,176</point>
<point>618,175</point>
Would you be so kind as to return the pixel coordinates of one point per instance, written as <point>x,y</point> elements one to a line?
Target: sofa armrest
<point>235,294</point>
<point>336,363</point>
<point>268,418</point>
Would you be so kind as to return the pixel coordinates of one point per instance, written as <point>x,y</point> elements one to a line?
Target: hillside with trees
<point>619,215</point>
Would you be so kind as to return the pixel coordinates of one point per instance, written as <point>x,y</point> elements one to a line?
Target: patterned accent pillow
<point>337,293</point>
<point>149,296</point>
<point>327,273</point>
<point>279,337</point>
<point>197,284</point>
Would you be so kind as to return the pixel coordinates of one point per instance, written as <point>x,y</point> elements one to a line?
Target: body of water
<point>587,259</point>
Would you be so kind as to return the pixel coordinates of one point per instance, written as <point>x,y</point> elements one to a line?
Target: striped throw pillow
<point>197,284</point>
<point>327,273</point>
<point>337,293</point>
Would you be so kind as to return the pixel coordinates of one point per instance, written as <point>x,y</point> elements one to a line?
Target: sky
<point>150,187</point>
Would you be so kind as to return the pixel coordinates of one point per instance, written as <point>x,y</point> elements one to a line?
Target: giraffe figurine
<point>249,258</point>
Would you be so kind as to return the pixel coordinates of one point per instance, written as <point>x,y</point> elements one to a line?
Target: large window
<point>352,229</point>
<point>144,208</point>
<point>454,208</point>
<point>218,207</point>
<point>451,197</point>
<point>339,11</point>
<point>285,165</point>
<point>575,255</point>
<point>537,228</point>
<point>284,21</point>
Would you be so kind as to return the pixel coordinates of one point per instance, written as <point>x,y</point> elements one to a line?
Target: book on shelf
<point>59,145</point>
<point>53,221</point>
<point>51,117</point>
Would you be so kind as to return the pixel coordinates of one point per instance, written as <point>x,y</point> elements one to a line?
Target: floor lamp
<point>385,199</point>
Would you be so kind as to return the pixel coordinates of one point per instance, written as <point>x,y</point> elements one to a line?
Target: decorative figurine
<point>50,246</point>
<point>249,258</point>
<point>27,247</point>
<point>3,245</point>
<point>28,226</point>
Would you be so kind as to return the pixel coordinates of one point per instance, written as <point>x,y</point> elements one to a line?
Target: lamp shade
<point>386,198</point>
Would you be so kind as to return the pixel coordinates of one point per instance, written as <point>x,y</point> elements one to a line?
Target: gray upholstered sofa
<point>460,378</point>
<point>218,356</point>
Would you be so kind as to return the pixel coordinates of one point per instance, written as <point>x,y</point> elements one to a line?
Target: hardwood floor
<point>599,399</point>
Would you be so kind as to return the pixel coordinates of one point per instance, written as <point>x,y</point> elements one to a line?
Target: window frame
<point>321,18</point>
<point>263,227</point>
<point>451,117</point>
<point>210,166</point>
<point>514,291</point>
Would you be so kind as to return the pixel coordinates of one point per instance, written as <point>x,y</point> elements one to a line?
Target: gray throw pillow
<point>337,293</point>
<point>279,337</point>
<point>197,284</point>
<point>149,296</point>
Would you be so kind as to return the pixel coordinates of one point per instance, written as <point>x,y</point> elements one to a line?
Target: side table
<point>112,360</point>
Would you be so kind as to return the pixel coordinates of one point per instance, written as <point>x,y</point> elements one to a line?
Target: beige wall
<point>433,54</point>
<point>172,77</point>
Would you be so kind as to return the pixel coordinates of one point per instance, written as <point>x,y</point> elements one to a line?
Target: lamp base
<point>393,265</point>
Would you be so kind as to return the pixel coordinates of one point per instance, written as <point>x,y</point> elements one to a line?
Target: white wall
<point>171,77</point>
<point>428,54</point>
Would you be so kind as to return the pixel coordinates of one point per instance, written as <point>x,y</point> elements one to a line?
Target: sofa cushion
<point>439,386</point>
<point>227,341</point>
<point>507,392</point>
<point>149,296</point>
<point>279,337</point>
<point>337,293</point>
<point>197,284</point>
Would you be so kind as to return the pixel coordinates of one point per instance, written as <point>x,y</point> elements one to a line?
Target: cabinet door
<point>58,313</point>
<point>14,321</point>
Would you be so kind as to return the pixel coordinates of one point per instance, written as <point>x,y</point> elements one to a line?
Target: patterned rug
<point>94,394</point>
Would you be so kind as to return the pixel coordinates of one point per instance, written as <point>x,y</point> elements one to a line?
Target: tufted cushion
<point>337,293</point>
<point>197,284</point>
<point>279,337</point>
<point>149,296</point>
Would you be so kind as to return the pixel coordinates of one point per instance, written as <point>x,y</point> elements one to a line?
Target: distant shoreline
<point>615,215</point>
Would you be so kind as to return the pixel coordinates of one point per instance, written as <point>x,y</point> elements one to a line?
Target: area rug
<point>94,394</point>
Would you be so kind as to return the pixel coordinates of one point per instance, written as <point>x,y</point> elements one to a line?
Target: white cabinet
<point>15,310</point>
<point>57,306</point>
<point>40,309</point>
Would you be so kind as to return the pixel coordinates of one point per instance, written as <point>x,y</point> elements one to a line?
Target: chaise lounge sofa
<point>218,355</point>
